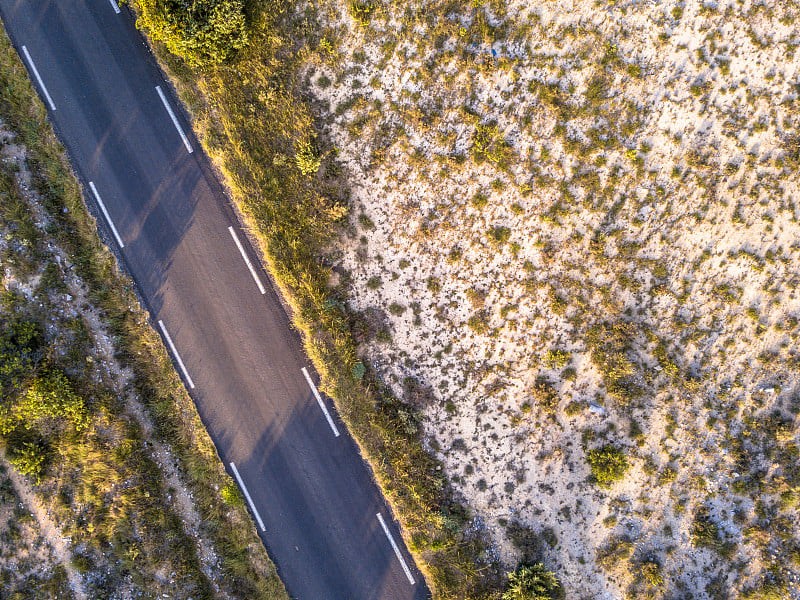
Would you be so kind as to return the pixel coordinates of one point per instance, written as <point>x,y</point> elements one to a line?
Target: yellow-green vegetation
<point>608,464</point>
<point>92,414</point>
<point>531,582</point>
<point>203,31</point>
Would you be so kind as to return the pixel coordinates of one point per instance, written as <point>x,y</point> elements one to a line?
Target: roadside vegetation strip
<point>244,569</point>
<point>291,196</point>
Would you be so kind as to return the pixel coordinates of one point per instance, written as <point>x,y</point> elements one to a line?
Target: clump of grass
<point>499,234</point>
<point>707,534</point>
<point>479,200</point>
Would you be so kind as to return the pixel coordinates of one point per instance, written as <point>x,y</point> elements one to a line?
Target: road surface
<point>318,510</point>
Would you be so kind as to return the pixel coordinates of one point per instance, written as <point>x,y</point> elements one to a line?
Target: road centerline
<point>320,402</point>
<point>396,549</point>
<point>175,353</point>
<point>247,261</point>
<point>38,77</point>
<point>174,119</point>
<point>106,215</point>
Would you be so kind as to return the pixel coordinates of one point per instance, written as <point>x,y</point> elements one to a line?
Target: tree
<point>531,582</point>
<point>200,31</point>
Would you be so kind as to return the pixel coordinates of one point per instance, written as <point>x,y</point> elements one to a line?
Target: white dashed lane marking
<point>38,77</point>
<point>247,261</point>
<point>175,353</point>
<point>174,119</point>
<point>106,215</point>
<point>247,495</point>
<point>403,564</point>
<point>320,402</point>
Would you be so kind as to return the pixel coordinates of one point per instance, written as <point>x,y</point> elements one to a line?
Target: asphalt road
<point>313,498</point>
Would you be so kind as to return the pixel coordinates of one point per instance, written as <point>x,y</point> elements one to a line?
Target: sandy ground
<point>524,173</point>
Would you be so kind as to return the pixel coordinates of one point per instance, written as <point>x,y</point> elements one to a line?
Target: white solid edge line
<point>175,353</point>
<point>247,261</point>
<point>114,5</point>
<point>247,495</point>
<point>38,78</point>
<point>106,215</point>
<point>174,119</point>
<point>320,402</point>
<point>396,549</point>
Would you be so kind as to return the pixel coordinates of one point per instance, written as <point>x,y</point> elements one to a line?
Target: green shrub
<point>499,234</point>
<point>555,359</point>
<point>610,345</point>
<point>28,458</point>
<point>650,571</point>
<point>365,222</point>
<point>20,342</point>
<point>51,396</point>
<point>769,590</point>
<point>361,10</point>
<point>199,31</point>
<point>479,322</point>
<point>479,200</point>
<point>231,495</point>
<point>545,395</point>
<point>615,551</point>
<point>489,144</point>
<point>608,464</point>
<point>306,159</point>
<point>531,582</point>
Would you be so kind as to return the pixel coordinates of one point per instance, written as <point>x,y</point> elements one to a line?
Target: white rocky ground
<point>523,173</point>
